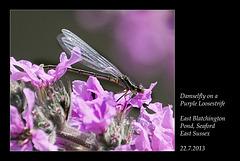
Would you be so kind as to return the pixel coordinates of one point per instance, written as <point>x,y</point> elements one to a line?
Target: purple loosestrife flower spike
<point>98,119</point>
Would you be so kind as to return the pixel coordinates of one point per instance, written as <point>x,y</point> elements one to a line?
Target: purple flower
<point>29,73</point>
<point>155,131</point>
<point>159,126</point>
<point>23,135</point>
<point>125,147</point>
<point>136,101</point>
<point>141,141</point>
<point>65,63</point>
<point>92,107</point>
<point>32,72</point>
<point>142,98</point>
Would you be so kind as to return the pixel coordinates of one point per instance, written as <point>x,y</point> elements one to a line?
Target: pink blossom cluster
<point>36,75</point>
<point>93,110</point>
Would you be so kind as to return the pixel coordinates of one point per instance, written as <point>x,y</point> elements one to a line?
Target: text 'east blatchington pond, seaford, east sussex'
<point>198,125</point>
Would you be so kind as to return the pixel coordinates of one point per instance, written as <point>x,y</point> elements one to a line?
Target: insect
<point>95,61</point>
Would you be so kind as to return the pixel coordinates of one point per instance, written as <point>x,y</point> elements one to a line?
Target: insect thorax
<point>130,85</point>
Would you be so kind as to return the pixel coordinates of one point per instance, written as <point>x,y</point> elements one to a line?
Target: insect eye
<point>140,89</point>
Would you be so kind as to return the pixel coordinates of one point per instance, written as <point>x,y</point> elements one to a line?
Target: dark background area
<point>204,50</point>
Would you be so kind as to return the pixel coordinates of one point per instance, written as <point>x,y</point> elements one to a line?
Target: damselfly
<point>94,60</point>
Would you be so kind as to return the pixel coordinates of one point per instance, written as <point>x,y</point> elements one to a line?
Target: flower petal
<point>142,98</point>
<point>125,147</point>
<point>75,57</point>
<point>40,141</point>
<point>28,69</point>
<point>80,89</point>
<point>142,142</point>
<point>95,86</point>
<point>16,123</point>
<point>27,114</point>
<point>94,114</point>
<point>168,120</point>
<point>14,146</point>
<point>161,141</point>
<point>66,63</point>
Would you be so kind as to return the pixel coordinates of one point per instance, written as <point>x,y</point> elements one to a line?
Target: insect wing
<point>90,57</point>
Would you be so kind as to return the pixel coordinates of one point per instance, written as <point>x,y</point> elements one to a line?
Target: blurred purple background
<point>141,43</point>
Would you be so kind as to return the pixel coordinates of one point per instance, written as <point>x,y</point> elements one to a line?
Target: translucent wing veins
<point>90,57</point>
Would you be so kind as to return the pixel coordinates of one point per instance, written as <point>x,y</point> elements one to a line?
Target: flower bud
<point>16,95</point>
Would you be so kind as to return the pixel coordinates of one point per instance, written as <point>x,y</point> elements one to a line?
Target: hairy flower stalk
<point>119,132</point>
<point>78,140</point>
